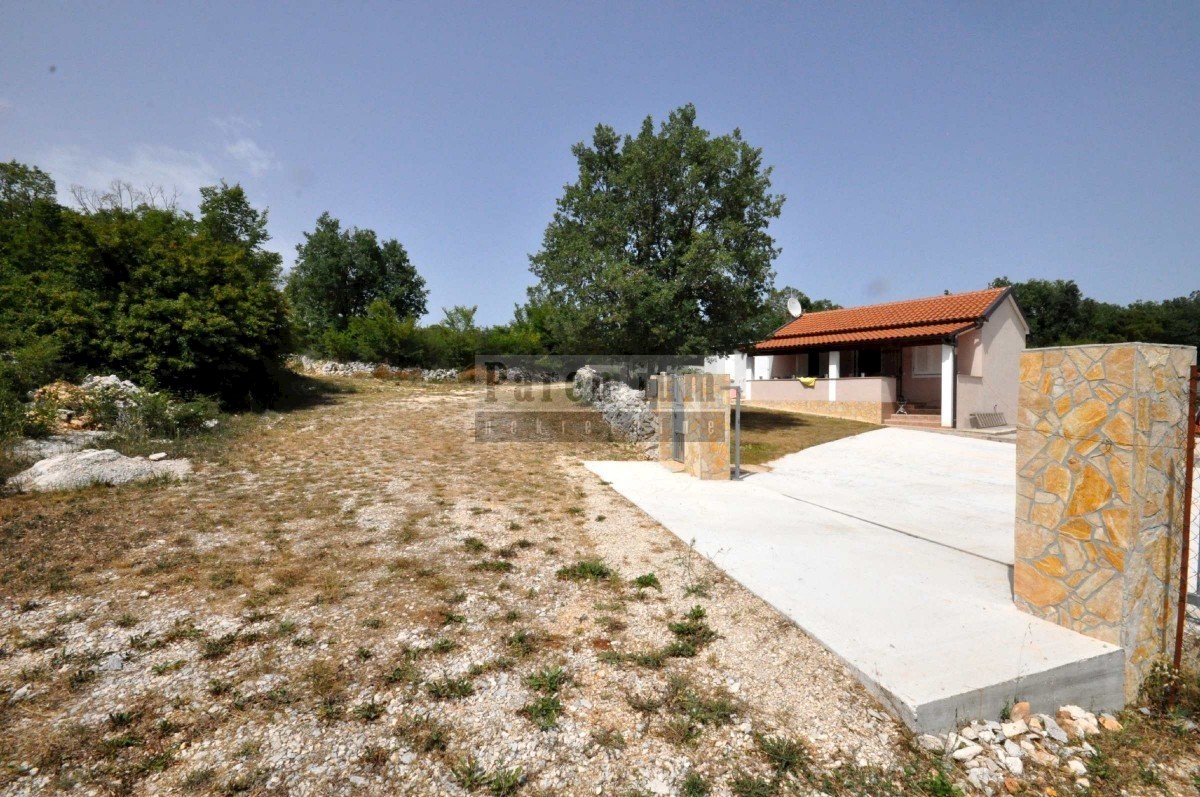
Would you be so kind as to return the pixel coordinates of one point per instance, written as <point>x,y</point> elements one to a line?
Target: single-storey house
<point>949,361</point>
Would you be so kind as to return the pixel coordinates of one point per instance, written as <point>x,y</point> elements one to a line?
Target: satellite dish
<point>794,307</point>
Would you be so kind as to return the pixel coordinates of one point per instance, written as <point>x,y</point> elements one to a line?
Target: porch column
<point>835,362</point>
<point>948,377</point>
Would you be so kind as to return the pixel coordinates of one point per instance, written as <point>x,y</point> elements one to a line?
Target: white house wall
<point>992,386</point>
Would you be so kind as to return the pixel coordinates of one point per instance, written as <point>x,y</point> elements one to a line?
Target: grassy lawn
<point>769,434</point>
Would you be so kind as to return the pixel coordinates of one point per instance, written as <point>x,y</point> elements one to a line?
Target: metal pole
<point>1190,429</point>
<point>737,433</point>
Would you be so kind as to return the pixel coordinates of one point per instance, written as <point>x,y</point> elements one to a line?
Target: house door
<point>677,426</point>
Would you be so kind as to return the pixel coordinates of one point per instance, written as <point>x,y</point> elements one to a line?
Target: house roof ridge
<point>903,313</point>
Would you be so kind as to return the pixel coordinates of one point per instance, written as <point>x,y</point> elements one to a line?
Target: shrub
<point>586,570</point>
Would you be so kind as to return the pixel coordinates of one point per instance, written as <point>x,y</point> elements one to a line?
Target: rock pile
<point>333,368</point>
<point>311,365</point>
<point>624,409</point>
<point>74,404</point>
<point>112,384</point>
<point>517,374</point>
<point>84,468</point>
<point>996,754</point>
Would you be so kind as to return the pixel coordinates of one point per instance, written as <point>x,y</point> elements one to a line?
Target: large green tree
<point>661,245</point>
<point>340,272</point>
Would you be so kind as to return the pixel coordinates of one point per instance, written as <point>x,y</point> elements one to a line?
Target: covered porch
<point>910,384</point>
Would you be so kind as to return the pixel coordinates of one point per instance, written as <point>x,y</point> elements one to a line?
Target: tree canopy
<point>661,245</point>
<point>159,295</point>
<point>1059,314</point>
<point>339,273</point>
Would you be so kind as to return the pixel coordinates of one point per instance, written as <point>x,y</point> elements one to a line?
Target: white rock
<point>157,456</point>
<point>967,753</point>
<point>659,786</point>
<point>85,468</point>
<point>1077,767</point>
<point>1053,730</point>
<point>969,733</point>
<point>1015,765</point>
<point>933,744</point>
<point>1013,729</point>
<point>112,662</point>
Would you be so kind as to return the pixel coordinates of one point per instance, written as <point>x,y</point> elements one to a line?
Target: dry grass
<point>769,434</point>
<point>322,567</point>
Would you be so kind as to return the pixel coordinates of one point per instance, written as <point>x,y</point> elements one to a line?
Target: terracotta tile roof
<point>913,319</point>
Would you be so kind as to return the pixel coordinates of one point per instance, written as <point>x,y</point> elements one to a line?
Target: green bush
<point>173,300</point>
<point>149,413</point>
<point>40,420</point>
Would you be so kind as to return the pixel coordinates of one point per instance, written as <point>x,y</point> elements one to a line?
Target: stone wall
<point>865,411</point>
<point>624,409</point>
<point>1100,461</point>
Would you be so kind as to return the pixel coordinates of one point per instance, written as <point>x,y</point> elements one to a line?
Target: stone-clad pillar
<point>1100,468</point>
<point>704,401</point>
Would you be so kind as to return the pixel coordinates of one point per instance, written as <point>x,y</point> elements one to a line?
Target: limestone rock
<point>1053,730</point>
<point>56,444</point>
<point>624,409</point>
<point>967,753</point>
<point>1077,767</point>
<point>1109,723</point>
<point>157,457</point>
<point>1019,711</point>
<point>1013,729</point>
<point>85,468</point>
<point>1043,759</point>
<point>933,744</point>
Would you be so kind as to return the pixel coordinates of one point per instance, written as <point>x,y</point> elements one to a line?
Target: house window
<point>927,360</point>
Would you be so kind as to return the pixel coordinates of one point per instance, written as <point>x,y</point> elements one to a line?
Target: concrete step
<point>922,421</point>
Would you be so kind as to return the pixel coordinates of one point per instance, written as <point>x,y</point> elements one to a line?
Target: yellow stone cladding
<point>1100,434</point>
<point>705,400</point>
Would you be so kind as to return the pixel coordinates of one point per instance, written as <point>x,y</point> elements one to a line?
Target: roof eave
<point>911,341</point>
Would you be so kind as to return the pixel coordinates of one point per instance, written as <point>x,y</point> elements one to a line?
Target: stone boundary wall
<point>1100,469</point>
<point>865,411</point>
<point>624,409</point>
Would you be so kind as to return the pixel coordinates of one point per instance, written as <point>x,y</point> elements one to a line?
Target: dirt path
<point>358,597</point>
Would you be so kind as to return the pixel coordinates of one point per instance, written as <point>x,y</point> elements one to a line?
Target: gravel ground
<point>359,598</point>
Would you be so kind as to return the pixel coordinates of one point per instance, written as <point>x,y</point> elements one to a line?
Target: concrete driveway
<point>893,549</point>
<point>955,491</point>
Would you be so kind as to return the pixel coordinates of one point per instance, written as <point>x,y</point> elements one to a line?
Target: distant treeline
<point>660,246</point>
<point>128,283</point>
<point>1060,315</point>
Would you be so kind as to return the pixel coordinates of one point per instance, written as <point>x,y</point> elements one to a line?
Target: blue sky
<point>921,146</point>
